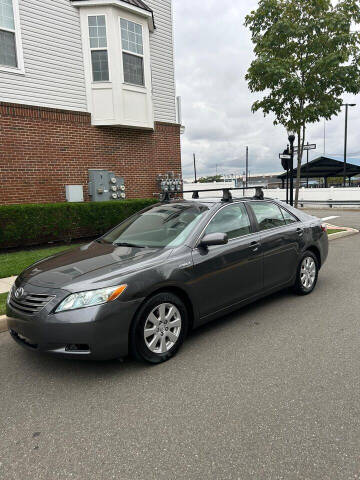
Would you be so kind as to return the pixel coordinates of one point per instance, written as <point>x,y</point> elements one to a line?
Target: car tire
<point>159,328</point>
<point>307,274</point>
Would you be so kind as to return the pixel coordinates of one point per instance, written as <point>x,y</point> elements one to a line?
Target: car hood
<point>94,265</point>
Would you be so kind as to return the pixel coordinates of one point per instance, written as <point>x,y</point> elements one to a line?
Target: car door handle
<point>254,246</point>
<point>300,232</point>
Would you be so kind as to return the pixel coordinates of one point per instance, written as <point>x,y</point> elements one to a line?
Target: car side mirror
<point>214,239</point>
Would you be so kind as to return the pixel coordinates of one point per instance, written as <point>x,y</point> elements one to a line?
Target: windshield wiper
<point>125,244</point>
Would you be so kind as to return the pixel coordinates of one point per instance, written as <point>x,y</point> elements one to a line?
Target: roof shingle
<point>138,3</point>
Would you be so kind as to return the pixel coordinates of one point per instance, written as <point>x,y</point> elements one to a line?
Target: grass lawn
<point>14,263</point>
<point>333,230</point>
<point>2,303</point>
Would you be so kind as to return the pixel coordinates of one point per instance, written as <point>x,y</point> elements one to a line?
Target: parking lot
<point>342,217</point>
<point>271,392</point>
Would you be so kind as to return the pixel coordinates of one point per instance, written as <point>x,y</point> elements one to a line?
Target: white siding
<point>54,66</point>
<point>54,72</point>
<point>162,61</point>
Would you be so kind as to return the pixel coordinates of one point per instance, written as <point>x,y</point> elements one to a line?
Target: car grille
<point>31,304</point>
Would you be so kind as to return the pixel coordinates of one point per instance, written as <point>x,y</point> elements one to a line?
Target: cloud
<point>213,52</point>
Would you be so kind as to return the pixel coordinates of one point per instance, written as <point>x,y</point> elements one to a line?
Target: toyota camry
<point>172,267</point>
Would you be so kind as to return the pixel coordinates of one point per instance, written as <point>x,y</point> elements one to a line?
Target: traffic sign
<point>311,146</point>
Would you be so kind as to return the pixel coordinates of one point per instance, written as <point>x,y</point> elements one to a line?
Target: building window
<point>133,52</point>
<point>8,53</point>
<point>98,47</point>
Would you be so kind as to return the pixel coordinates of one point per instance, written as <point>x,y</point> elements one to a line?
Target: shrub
<point>23,225</point>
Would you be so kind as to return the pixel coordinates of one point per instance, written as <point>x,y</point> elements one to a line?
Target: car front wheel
<point>159,328</point>
<point>307,274</point>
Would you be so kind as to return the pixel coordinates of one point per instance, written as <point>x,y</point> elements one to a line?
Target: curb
<point>3,323</point>
<point>346,233</point>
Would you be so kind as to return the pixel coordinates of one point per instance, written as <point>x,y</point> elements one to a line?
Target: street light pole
<point>307,166</point>
<point>195,168</point>
<point>346,105</point>
<point>247,166</point>
<point>291,140</point>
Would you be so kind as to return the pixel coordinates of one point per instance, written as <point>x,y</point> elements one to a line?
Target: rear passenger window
<point>232,220</point>
<point>268,215</point>
<point>289,218</point>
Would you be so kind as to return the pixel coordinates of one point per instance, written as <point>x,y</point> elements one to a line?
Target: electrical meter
<point>105,185</point>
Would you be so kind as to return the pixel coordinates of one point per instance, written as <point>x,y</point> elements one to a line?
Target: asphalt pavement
<point>343,217</point>
<point>271,392</point>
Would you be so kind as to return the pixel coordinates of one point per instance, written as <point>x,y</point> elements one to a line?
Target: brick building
<point>85,84</point>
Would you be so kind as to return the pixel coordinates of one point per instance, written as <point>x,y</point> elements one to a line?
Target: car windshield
<point>160,226</point>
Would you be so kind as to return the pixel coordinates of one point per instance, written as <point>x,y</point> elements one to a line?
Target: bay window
<point>116,48</point>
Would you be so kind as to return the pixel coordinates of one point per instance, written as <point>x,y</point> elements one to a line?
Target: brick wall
<point>42,150</point>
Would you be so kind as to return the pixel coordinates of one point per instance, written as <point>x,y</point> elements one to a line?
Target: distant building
<point>85,84</point>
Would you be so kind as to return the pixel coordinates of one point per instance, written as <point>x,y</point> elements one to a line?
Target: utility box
<point>105,185</point>
<point>74,193</point>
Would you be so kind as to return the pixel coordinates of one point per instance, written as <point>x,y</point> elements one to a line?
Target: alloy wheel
<point>162,328</point>
<point>308,272</point>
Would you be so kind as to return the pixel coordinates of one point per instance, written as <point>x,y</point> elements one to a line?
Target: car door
<point>281,242</point>
<point>224,275</point>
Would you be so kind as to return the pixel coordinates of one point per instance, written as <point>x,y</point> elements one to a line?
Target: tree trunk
<point>301,142</point>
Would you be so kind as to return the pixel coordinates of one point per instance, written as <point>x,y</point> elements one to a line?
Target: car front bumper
<point>98,333</point>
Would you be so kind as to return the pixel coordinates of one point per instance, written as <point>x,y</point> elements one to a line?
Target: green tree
<point>215,178</point>
<point>307,57</point>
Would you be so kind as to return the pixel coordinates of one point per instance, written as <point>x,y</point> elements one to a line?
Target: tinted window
<point>289,218</point>
<point>232,220</point>
<point>268,215</point>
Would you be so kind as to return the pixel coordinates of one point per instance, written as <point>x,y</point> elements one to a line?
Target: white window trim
<point>99,48</point>
<point>118,3</point>
<point>123,50</point>
<point>20,69</point>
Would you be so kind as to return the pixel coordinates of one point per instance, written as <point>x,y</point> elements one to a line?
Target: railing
<point>330,202</point>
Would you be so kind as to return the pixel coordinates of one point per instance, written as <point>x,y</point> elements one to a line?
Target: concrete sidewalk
<point>6,284</point>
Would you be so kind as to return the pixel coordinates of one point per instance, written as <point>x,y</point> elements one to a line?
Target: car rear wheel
<point>307,274</point>
<point>159,328</point>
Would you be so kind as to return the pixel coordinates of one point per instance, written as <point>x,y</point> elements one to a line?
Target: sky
<point>213,51</point>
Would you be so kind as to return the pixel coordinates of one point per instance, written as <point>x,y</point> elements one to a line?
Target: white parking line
<point>330,218</point>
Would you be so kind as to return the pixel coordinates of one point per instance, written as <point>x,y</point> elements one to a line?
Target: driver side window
<point>232,220</point>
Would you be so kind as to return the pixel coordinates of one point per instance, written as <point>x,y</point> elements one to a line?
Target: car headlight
<point>90,298</point>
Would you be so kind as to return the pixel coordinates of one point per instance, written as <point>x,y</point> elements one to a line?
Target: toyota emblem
<point>19,293</point>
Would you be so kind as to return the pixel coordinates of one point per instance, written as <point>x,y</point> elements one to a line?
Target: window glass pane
<point>268,215</point>
<point>8,49</point>
<point>133,69</point>
<point>131,34</point>
<point>160,226</point>
<point>289,218</point>
<point>100,65</point>
<point>97,31</point>
<point>7,15</point>
<point>232,220</point>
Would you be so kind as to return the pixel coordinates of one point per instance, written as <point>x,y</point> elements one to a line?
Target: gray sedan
<point>177,265</point>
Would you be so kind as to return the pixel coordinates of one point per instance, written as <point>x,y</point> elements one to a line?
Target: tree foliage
<point>307,57</point>
<point>214,178</point>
